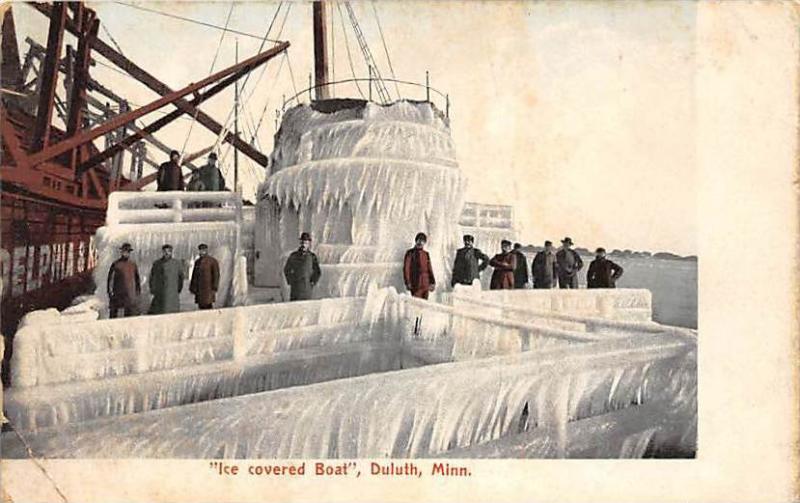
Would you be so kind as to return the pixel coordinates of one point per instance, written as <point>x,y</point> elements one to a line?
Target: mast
<point>320,51</point>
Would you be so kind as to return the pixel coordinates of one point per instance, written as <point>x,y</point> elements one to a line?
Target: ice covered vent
<point>363,179</point>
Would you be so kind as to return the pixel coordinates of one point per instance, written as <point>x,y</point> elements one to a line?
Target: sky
<point>579,114</point>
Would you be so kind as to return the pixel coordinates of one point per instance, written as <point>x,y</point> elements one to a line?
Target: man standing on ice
<point>602,273</point>
<point>123,285</point>
<point>545,268</point>
<point>417,269</point>
<point>169,175</point>
<point>469,264</point>
<point>504,263</point>
<point>166,283</point>
<point>205,279</point>
<point>521,269</point>
<point>302,270</point>
<point>569,263</point>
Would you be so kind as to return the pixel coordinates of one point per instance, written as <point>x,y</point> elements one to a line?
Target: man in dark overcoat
<point>469,263</point>
<point>521,269</point>
<point>169,176</point>
<point>602,272</point>
<point>166,283</point>
<point>569,263</point>
<point>545,267</point>
<point>210,175</point>
<point>205,279</point>
<point>418,270</point>
<point>123,285</point>
<point>302,270</point>
<point>504,263</point>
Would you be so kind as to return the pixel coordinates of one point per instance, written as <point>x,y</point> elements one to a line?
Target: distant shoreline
<point>625,254</point>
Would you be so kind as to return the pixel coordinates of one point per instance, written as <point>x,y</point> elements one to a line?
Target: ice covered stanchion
<point>182,219</point>
<point>363,179</point>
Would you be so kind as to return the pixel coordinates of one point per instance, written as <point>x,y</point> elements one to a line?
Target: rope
<point>226,129</point>
<point>386,49</point>
<point>291,72</point>
<point>347,47</point>
<point>210,71</point>
<point>264,40</point>
<point>269,93</point>
<point>195,21</point>
<point>116,45</point>
<point>263,70</point>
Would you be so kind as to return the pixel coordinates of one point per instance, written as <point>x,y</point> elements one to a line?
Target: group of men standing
<point>165,282</point>
<point>550,268</point>
<point>207,178</point>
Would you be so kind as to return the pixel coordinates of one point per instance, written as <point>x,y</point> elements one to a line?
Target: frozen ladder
<point>383,93</point>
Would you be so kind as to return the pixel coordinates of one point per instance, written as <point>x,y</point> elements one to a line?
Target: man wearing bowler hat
<point>569,263</point>
<point>123,285</point>
<point>205,279</point>
<point>302,270</point>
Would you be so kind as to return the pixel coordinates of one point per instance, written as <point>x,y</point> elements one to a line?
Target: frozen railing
<point>625,304</point>
<point>83,371</point>
<point>173,207</point>
<point>446,333</point>
<point>47,354</point>
<point>428,411</point>
<point>594,324</point>
<point>411,90</point>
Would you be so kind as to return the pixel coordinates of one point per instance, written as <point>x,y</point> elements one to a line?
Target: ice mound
<point>363,179</point>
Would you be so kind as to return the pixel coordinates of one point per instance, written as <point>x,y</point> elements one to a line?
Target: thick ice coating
<point>363,179</point>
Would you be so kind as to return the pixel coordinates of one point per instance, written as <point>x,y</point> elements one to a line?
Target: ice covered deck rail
<point>416,86</point>
<point>173,207</point>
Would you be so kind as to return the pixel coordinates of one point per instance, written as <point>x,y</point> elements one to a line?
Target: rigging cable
<point>263,70</point>
<point>224,133</point>
<point>210,71</point>
<point>264,40</point>
<point>291,72</point>
<point>347,48</point>
<point>226,129</point>
<point>386,49</point>
<point>116,45</point>
<point>195,21</point>
<point>264,111</point>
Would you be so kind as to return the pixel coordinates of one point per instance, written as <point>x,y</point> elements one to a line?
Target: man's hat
<point>202,246</point>
<point>305,237</point>
<point>548,243</point>
<point>126,247</point>
<point>567,241</point>
<point>469,237</point>
<point>212,155</point>
<point>174,152</point>
<point>505,242</point>
<point>600,250</point>
<point>422,236</point>
<point>517,245</point>
<point>166,247</point>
